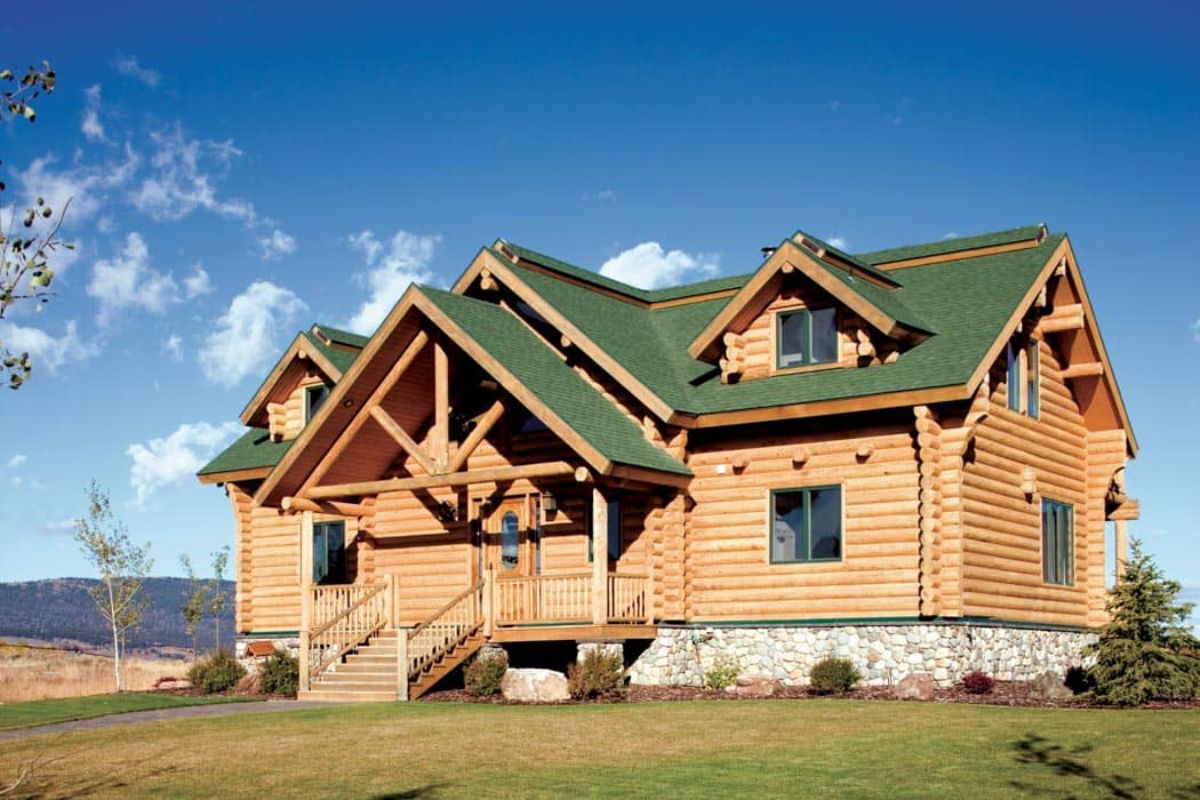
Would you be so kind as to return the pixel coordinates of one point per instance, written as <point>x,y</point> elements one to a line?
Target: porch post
<point>489,604</point>
<point>1121,544</point>
<point>306,572</point>
<point>599,557</point>
<point>401,665</point>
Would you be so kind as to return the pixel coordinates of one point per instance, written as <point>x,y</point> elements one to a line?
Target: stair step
<point>369,668</point>
<point>355,682</point>
<point>343,696</point>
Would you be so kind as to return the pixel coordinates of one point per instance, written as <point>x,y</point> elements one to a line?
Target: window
<point>806,524</point>
<point>510,541</point>
<point>806,336</point>
<point>314,396</point>
<point>1058,543</point>
<point>329,552</point>
<point>1024,376</point>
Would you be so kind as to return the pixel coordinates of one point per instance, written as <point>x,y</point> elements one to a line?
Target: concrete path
<point>186,712</point>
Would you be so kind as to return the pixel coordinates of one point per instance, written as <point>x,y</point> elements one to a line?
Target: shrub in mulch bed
<point>1004,693</point>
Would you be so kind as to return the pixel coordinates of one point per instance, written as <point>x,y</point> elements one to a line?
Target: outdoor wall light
<point>549,503</point>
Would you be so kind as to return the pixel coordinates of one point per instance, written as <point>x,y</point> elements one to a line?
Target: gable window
<point>806,524</point>
<point>1058,543</point>
<point>314,396</point>
<point>329,552</point>
<point>1024,376</point>
<point>806,336</point>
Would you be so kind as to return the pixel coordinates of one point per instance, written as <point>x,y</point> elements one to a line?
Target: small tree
<point>216,592</point>
<point>1146,651</point>
<point>196,604</point>
<point>122,566</point>
<point>26,251</point>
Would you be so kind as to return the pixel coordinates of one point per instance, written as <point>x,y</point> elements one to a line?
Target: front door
<point>506,538</point>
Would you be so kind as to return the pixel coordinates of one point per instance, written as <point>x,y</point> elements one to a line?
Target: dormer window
<point>806,336</point>
<point>314,396</point>
<point>1024,377</point>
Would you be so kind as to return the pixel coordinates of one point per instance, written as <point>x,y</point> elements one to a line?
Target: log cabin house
<point>906,457</point>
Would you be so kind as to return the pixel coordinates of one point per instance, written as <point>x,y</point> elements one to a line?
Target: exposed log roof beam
<point>340,508</point>
<point>482,428</point>
<point>1084,370</point>
<point>406,442</point>
<point>550,469</point>
<point>1063,318</point>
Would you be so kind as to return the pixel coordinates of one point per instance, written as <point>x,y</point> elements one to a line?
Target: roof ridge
<point>954,244</point>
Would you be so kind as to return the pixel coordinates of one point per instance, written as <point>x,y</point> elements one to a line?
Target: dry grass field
<point>40,673</point>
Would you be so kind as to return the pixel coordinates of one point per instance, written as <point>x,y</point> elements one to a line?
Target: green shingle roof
<point>952,245</point>
<point>541,371</point>
<point>965,306</point>
<point>339,336</point>
<point>253,450</point>
<point>341,359</point>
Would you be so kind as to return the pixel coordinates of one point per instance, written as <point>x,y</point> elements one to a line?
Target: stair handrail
<point>456,631</point>
<point>357,636</point>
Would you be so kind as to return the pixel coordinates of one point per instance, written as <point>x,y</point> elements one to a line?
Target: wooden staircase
<point>367,674</point>
<point>364,663</point>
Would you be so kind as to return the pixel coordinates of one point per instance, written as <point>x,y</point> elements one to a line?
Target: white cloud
<point>245,339</point>
<point>91,126</point>
<point>128,281</point>
<point>391,267</point>
<point>840,242</point>
<point>128,65</point>
<point>17,460</point>
<point>47,351</point>
<point>173,347</point>
<point>168,461</point>
<point>185,170</point>
<point>84,185</point>
<point>648,266</point>
<point>197,283</point>
<point>59,527</point>
<point>276,244</point>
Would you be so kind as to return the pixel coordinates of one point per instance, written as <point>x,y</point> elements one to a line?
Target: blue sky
<point>245,171</point>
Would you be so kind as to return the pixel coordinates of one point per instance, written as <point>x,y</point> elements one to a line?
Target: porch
<point>352,645</point>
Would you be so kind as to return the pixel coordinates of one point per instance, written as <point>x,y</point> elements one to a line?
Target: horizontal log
<point>551,469</point>
<point>293,505</point>
<point>1083,369</point>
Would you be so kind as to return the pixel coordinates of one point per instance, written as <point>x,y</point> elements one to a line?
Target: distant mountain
<point>61,609</point>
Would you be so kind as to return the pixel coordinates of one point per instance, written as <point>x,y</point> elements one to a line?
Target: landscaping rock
<point>1050,685</point>
<point>755,688</point>
<point>248,684</point>
<point>534,686</point>
<point>917,686</point>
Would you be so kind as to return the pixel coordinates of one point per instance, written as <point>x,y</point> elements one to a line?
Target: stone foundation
<point>884,654</point>
<point>608,648</point>
<point>289,643</point>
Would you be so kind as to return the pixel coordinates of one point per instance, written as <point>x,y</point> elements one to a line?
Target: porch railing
<point>544,598</point>
<point>342,618</point>
<point>627,598</point>
<point>447,627</point>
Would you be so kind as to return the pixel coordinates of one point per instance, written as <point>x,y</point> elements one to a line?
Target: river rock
<point>534,686</point>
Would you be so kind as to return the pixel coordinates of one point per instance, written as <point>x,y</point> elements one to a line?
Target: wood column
<point>489,601</point>
<point>599,557</point>
<point>306,572</point>
<point>402,665</point>
<point>1121,545</point>
<point>440,441</point>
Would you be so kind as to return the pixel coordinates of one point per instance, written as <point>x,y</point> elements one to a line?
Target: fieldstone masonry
<point>613,648</point>
<point>884,654</point>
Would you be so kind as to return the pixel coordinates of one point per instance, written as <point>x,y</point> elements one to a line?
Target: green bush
<point>279,674</point>
<point>482,676</point>
<point>1146,651</point>
<point>834,676</point>
<point>723,674</point>
<point>598,675</point>
<point>217,673</point>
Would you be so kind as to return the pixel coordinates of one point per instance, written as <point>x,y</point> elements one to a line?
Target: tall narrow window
<point>806,336</point>
<point>1014,377</point>
<point>510,541</point>
<point>329,552</point>
<point>1058,543</point>
<point>1033,380</point>
<point>314,396</point>
<point>614,529</point>
<point>806,524</point>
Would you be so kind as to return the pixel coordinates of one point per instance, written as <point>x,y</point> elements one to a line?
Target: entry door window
<point>510,541</point>
<point>329,552</point>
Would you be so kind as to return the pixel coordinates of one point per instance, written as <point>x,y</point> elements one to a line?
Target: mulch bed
<point>1005,693</point>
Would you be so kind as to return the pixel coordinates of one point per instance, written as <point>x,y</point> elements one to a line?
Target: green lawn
<point>42,712</point>
<point>691,749</point>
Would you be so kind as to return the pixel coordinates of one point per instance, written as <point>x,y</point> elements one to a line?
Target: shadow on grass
<point>1082,778</point>
<point>411,794</point>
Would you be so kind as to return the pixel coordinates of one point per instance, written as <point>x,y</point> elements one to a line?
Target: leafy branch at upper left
<point>25,251</point>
